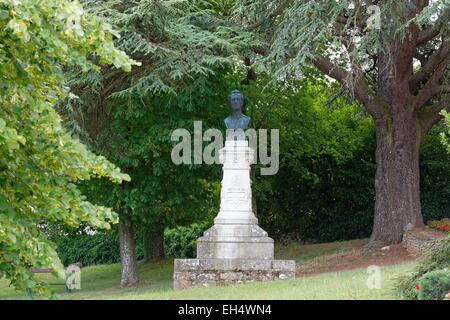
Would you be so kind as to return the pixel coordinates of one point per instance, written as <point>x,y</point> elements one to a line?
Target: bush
<point>434,285</point>
<point>438,259</point>
<point>181,242</point>
<point>434,177</point>
<point>347,226</point>
<point>440,225</point>
<point>103,247</point>
<point>100,248</point>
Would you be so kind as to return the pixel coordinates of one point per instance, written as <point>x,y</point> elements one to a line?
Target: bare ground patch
<point>353,259</point>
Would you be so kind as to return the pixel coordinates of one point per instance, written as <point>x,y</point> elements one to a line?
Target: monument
<point>235,249</point>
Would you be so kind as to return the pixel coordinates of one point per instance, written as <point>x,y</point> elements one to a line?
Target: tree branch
<point>355,85</point>
<point>431,87</point>
<point>443,89</point>
<point>427,35</point>
<point>346,40</point>
<point>279,10</point>
<point>436,58</point>
<point>431,115</point>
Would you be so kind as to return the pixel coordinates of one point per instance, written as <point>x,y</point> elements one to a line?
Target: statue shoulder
<point>227,121</point>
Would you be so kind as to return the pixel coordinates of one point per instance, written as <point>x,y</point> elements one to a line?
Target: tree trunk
<point>397,181</point>
<point>128,261</point>
<point>153,243</point>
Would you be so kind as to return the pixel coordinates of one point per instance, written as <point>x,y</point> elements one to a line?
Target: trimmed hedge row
<point>103,247</point>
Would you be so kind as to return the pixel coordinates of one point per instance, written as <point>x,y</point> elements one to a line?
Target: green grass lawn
<point>101,282</point>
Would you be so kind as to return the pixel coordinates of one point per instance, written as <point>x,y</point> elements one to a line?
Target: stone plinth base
<point>195,273</point>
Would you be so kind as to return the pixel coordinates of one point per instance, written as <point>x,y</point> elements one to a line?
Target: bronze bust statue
<point>237,120</point>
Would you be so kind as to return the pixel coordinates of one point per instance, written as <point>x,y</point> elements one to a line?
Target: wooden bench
<point>47,270</point>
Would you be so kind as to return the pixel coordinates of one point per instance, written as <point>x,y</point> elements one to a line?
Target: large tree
<point>41,163</point>
<point>391,56</point>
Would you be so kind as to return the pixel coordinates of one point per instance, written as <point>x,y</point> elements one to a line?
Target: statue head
<point>236,99</point>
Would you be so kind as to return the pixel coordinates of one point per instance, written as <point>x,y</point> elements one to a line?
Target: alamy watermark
<point>190,149</point>
<point>374,19</point>
<point>73,279</point>
<point>374,278</point>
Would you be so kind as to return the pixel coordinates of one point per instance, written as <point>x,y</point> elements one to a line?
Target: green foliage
<point>138,139</point>
<point>437,259</point>
<point>297,32</point>
<point>321,191</point>
<point>435,177</point>
<point>445,135</point>
<point>440,225</point>
<point>103,247</point>
<point>177,42</point>
<point>434,285</point>
<point>100,248</point>
<point>181,242</point>
<point>40,161</point>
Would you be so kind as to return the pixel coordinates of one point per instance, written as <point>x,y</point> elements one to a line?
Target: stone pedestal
<point>235,249</point>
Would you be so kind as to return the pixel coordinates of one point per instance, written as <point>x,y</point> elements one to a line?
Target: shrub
<point>181,242</point>
<point>347,226</point>
<point>437,259</point>
<point>103,247</point>
<point>434,285</point>
<point>441,225</point>
<point>100,248</point>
